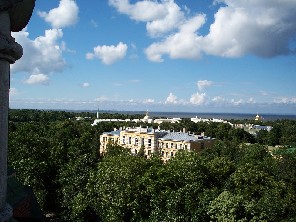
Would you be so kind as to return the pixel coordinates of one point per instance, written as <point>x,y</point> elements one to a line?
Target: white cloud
<point>174,17</point>
<point>262,28</point>
<point>108,54</point>
<point>13,91</point>
<point>237,102</point>
<point>143,11</point>
<point>171,99</point>
<point>185,44</point>
<point>198,98</point>
<point>37,79</point>
<point>147,101</point>
<point>285,100</point>
<point>218,99</point>
<point>101,99</point>
<point>160,17</point>
<point>202,84</point>
<point>66,14</point>
<point>251,100</point>
<point>85,85</point>
<point>43,53</point>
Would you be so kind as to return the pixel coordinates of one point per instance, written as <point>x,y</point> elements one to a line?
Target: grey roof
<point>262,127</point>
<point>179,136</point>
<point>116,132</point>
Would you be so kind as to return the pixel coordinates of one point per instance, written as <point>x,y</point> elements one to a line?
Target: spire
<point>98,112</point>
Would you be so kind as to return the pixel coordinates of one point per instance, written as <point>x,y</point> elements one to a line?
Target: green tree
<point>113,188</point>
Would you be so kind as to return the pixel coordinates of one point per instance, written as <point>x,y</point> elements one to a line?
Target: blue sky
<point>161,55</point>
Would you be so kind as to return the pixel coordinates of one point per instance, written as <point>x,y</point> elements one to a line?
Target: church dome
<point>146,117</point>
<point>257,117</point>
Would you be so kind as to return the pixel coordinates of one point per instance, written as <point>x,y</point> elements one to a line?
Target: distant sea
<point>225,116</point>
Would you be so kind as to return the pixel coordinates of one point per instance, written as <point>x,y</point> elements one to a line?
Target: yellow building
<point>133,139</point>
<point>108,137</point>
<point>174,141</point>
<point>167,143</point>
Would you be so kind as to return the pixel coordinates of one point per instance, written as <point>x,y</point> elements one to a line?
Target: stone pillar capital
<point>10,50</point>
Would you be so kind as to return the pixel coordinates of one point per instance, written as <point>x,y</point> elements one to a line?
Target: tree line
<point>59,158</point>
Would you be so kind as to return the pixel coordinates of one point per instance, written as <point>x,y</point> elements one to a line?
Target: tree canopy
<point>59,158</point>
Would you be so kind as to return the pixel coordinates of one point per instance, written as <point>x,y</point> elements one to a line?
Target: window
<point>129,140</point>
<point>166,154</point>
<point>142,142</point>
<point>167,145</point>
<point>162,153</point>
<point>136,141</point>
<point>180,146</point>
<point>123,139</point>
<point>149,142</point>
<point>149,152</point>
<point>172,154</point>
<point>136,151</point>
<point>172,145</point>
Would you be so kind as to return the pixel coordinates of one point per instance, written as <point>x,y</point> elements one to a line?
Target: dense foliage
<point>58,157</point>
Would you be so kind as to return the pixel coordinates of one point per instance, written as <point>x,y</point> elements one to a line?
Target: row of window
<point>136,141</point>
<point>172,145</point>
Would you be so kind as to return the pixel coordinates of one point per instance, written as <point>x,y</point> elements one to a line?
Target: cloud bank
<point>263,28</point>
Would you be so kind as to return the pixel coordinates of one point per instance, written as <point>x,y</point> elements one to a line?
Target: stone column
<point>10,51</point>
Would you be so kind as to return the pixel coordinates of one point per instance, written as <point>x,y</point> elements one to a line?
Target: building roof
<point>179,136</point>
<point>114,132</point>
<point>143,130</point>
<point>268,128</point>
